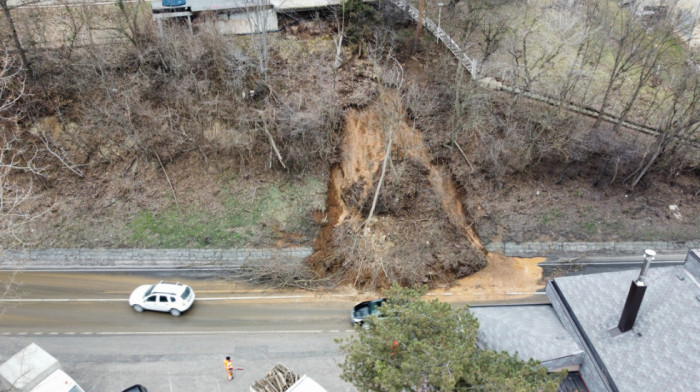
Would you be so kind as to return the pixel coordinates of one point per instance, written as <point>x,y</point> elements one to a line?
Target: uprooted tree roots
<point>418,232</point>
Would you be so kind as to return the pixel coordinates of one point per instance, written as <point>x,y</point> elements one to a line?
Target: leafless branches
<point>12,84</point>
<point>391,119</point>
<point>680,121</point>
<point>13,194</point>
<point>7,11</point>
<point>278,273</point>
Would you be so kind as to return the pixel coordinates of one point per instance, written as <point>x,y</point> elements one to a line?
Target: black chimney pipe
<point>635,295</point>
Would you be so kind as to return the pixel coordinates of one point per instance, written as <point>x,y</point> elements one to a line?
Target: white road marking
<point>107,269</point>
<point>237,298</point>
<point>63,300</point>
<point>182,333</point>
<point>229,332</point>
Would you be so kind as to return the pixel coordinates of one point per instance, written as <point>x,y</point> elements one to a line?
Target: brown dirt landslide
<point>216,182</point>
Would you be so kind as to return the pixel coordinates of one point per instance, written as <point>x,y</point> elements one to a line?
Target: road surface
<point>84,320</point>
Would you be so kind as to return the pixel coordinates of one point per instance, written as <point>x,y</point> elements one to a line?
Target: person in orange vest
<point>228,365</point>
<point>394,347</point>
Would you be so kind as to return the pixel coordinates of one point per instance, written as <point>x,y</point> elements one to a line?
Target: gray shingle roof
<point>531,331</point>
<point>662,351</point>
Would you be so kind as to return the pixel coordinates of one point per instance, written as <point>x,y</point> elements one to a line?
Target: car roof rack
<point>164,282</point>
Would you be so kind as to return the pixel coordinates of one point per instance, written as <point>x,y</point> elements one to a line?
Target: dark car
<point>364,309</point>
<point>136,388</point>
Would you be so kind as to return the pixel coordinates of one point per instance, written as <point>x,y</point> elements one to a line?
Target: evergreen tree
<point>416,345</point>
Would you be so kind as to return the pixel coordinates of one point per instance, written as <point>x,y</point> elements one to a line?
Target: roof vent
<point>635,295</point>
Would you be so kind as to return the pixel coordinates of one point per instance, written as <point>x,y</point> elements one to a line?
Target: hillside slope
<point>190,146</point>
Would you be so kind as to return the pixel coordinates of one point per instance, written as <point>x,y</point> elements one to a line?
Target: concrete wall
<point>246,22</point>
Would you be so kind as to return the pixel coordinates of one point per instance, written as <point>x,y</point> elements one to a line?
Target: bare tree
<point>629,42</point>
<point>653,60</point>
<point>7,11</point>
<point>339,36</point>
<point>265,125</point>
<point>260,16</point>
<point>679,125</point>
<point>391,120</point>
<point>14,157</point>
<point>12,84</point>
<point>589,50</point>
<point>419,26</point>
<point>493,30</point>
<point>531,54</point>
<point>75,26</point>
<point>131,16</point>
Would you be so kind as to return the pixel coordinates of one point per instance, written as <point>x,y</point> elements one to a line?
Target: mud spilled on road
<point>420,232</point>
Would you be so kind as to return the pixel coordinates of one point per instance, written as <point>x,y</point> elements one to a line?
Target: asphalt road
<point>84,320</point>
<point>91,302</point>
<point>192,362</point>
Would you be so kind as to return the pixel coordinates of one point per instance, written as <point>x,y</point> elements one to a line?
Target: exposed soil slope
<point>369,254</point>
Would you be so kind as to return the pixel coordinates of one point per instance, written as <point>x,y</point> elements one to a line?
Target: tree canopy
<point>417,345</point>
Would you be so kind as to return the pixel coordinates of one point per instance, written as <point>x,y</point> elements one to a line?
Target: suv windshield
<point>149,291</point>
<point>375,305</point>
<point>185,293</point>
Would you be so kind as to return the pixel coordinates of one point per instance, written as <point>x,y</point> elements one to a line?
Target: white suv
<point>162,297</point>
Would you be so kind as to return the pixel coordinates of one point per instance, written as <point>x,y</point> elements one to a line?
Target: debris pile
<point>279,379</point>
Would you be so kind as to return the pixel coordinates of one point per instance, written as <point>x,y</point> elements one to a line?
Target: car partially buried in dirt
<point>174,298</point>
<point>362,310</point>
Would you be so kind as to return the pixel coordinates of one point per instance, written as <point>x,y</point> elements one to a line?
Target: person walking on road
<point>229,367</point>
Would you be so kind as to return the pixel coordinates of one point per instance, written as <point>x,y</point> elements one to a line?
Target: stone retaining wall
<point>110,258</point>
<point>234,258</point>
<point>567,248</point>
